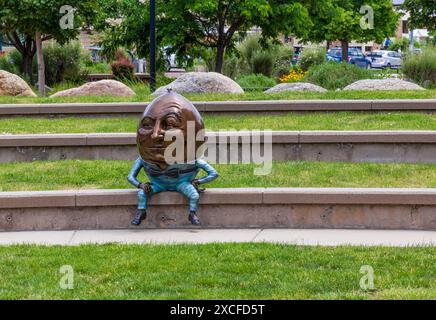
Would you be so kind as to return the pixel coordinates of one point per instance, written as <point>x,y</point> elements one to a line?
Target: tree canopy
<point>195,24</point>
<point>188,26</point>
<point>347,20</point>
<point>422,14</point>
<point>20,20</point>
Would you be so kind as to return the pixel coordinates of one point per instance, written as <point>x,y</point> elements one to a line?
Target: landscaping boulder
<point>297,86</point>
<point>201,82</point>
<point>13,85</point>
<point>383,84</point>
<point>98,88</point>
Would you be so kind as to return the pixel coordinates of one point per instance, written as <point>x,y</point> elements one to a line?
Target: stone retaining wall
<point>408,209</point>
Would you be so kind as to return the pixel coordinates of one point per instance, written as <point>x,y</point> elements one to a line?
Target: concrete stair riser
<point>337,146</point>
<point>407,209</point>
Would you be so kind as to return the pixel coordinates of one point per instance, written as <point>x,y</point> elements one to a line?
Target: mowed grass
<point>286,121</point>
<point>216,271</point>
<point>99,174</point>
<point>143,94</point>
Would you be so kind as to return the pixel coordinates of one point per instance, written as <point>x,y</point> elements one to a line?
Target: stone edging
<point>278,137</point>
<point>231,196</point>
<point>223,106</point>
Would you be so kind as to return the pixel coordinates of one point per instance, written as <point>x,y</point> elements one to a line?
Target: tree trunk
<point>344,44</point>
<point>41,66</point>
<point>220,57</point>
<point>26,64</point>
<point>328,45</point>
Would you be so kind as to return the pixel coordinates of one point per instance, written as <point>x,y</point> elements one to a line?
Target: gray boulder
<point>383,84</point>
<point>297,86</point>
<point>98,88</point>
<point>13,85</point>
<point>201,82</point>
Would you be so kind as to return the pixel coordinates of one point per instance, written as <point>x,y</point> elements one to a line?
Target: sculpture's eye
<point>172,122</point>
<point>147,123</point>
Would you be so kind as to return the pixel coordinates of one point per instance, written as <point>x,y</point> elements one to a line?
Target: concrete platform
<point>337,146</point>
<point>218,107</point>
<point>297,208</point>
<point>314,237</point>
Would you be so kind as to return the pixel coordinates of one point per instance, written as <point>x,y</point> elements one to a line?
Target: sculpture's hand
<point>197,186</point>
<point>146,187</point>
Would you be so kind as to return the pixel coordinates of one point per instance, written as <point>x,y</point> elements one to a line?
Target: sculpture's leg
<point>141,214</point>
<point>143,197</point>
<point>189,191</point>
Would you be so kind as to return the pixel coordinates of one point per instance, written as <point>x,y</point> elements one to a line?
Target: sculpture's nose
<point>158,133</point>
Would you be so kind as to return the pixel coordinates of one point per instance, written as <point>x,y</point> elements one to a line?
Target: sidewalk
<point>195,236</point>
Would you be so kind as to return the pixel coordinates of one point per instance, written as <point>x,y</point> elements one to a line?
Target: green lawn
<point>287,121</point>
<point>79,174</point>
<point>142,94</point>
<point>216,271</point>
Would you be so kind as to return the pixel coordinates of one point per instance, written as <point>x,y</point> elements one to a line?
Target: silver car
<point>385,59</point>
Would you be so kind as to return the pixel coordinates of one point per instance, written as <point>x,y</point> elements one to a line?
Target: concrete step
<point>405,209</point>
<point>218,107</point>
<point>347,146</point>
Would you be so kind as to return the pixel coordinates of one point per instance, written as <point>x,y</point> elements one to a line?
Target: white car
<point>385,59</point>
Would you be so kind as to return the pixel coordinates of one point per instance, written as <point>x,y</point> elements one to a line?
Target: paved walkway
<point>289,236</point>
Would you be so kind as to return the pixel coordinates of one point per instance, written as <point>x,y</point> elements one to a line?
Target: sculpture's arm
<point>134,173</point>
<point>211,172</point>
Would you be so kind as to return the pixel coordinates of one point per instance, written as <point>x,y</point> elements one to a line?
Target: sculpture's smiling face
<point>168,112</point>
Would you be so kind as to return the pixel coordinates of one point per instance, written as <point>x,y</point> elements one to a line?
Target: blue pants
<point>185,188</point>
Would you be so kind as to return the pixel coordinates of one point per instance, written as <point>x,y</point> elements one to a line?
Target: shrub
<point>7,65</point>
<point>421,67</point>
<point>248,48</point>
<point>64,63</point>
<point>14,62</point>
<point>256,82</point>
<point>263,63</point>
<point>312,57</point>
<point>122,68</point>
<point>403,44</point>
<point>97,67</point>
<point>231,66</point>
<point>332,75</point>
<point>267,60</point>
<point>283,61</point>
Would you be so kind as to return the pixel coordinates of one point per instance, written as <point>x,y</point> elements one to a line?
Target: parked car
<point>355,56</point>
<point>385,59</point>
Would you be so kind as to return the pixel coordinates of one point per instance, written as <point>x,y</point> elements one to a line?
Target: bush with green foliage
<point>283,61</point>
<point>256,82</point>
<point>7,65</point>
<point>402,44</point>
<point>12,61</point>
<point>65,63</point>
<point>421,67</point>
<point>97,67</point>
<point>232,66</point>
<point>333,75</point>
<point>312,57</point>
<point>269,60</point>
<point>263,63</point>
